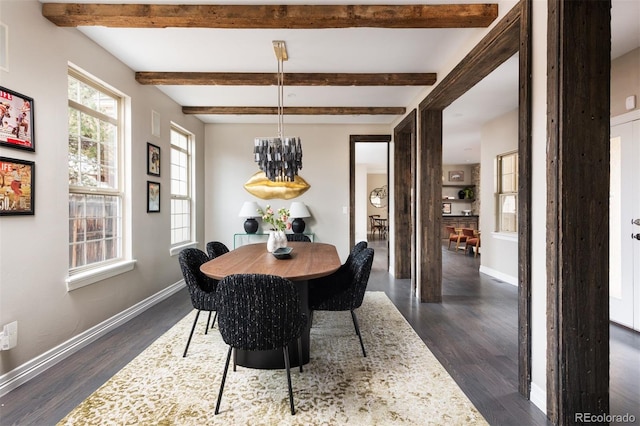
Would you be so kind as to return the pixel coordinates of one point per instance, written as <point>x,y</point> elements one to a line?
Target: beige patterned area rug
<point>400,382</point>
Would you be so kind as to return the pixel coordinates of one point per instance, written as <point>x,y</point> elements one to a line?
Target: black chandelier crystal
<point>279,158</point>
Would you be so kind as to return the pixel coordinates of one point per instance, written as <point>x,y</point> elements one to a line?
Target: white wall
<point>375,180</point>
<point>34,249</point>
<point>361,203</point>
<point>229,164</point>
<point>499,250</point>
<point>539,206</point>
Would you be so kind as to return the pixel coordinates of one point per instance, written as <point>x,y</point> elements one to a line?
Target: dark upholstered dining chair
<point>298,237</point>
<point>344,289</point>
<point>259,312</point>
<point>201,288</point>
<point>326,286</point>
<point>216,248</point>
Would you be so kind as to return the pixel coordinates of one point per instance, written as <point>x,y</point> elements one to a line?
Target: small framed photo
<point>456,176</point>
<point>16,120</point>
<point>17,182</point>
<point>153,197</point>
<point>446,208</point>
<point>153,159</point>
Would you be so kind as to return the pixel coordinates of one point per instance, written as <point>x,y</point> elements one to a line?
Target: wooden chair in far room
<point>455,237</point>
<point>467,233</point>
<point>375,225</point>
<point>473,244</point>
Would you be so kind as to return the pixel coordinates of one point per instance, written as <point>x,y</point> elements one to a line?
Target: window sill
<point>93,276</point>
<point>177,249</point>
<point>506,236</point>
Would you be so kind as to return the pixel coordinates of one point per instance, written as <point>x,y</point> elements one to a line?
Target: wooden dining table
<point>307,261</point>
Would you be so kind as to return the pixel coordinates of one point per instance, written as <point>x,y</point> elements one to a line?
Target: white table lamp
<point>297,211</point>
<point>250,211</point>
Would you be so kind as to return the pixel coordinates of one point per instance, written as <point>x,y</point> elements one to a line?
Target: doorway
<point>624,230</point>
<point>369,177</point>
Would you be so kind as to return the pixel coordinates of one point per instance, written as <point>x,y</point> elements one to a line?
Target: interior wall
<point>375,180</point>
<point>229,164</point>
<point>499,250</point>
<point>625,81</point>
<point>457,206</point>
<point>361,202</point>
<point>539,206</point>
<point>34,249</point>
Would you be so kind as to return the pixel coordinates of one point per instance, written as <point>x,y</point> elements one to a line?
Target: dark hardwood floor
<point>473,333</point>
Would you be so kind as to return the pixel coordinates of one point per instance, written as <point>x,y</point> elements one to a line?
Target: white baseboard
<point>30,369</point>
<point>539,397</point>
<point>499,275</point>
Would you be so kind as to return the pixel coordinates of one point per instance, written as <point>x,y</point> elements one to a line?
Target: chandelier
<point>279,158</point>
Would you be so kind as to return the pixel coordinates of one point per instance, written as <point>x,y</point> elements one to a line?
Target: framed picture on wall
<point>16,120</point>
<point>153,159</point>
<point>446,208</point>
<point>456,176</point>
<point>17,182</point>
<point>153,197</point>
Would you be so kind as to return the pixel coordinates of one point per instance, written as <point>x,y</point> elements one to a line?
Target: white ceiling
<point>351,50</point>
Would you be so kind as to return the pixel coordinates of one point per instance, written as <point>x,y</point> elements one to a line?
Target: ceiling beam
<point>271,16</point>
<point>293,79</point>
<point>245,110</point>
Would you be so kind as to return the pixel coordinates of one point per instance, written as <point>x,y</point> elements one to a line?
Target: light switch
<point>630,102</point>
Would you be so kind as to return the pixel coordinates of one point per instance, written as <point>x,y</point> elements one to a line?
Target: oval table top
<point>307,261</point>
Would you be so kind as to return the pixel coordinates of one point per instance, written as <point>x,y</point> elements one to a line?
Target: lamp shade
<point>249,209</point>
<point>298,209</point>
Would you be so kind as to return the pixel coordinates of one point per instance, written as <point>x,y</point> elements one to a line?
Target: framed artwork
<point>17,182</point>
<point>153,197</point>
<point>16,120</point>
<point>446,208</point>
<point>153,159</point>
<point>456,176</point>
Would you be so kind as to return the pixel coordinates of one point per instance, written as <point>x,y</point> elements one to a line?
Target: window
<point>508,192</point>
<point>181,199</point>
<point>95,184</point>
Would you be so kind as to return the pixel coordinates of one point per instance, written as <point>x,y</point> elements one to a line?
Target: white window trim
<point>175,250</point>
<point>499,193</point>
<point>506,236</point>
<point>81,277</point>
<point>94,275</point>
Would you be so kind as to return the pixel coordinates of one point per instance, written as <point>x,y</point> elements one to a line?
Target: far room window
<point>181,187</point>
<point>94,167</point>
<point>508,192</point>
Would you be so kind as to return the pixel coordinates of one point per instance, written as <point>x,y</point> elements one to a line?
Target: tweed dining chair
<point>298,237</point>
<point>259,312</point>
<point>216,248</point>
<point>201,288</point>
<point>326,286</point>
<point>344,289</point>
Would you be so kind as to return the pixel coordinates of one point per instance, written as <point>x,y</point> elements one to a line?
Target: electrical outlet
<point>9,336</point>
